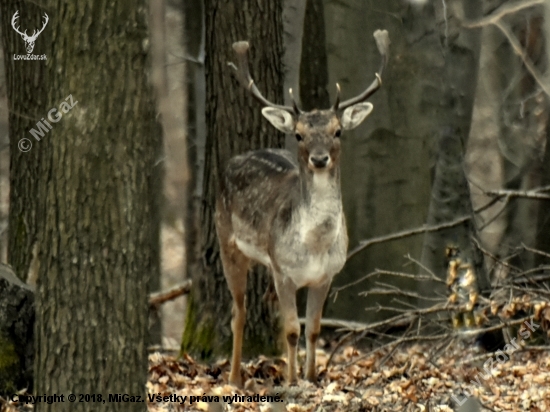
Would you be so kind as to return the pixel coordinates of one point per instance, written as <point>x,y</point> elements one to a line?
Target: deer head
<point>29,40</point>
<point>318,132</point>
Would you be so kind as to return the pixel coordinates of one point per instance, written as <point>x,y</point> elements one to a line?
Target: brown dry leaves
<point>407,381</point>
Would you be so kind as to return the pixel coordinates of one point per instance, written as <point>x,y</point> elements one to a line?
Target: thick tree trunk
<point>92,187</point>
<point>385,161</point>
<point>25,81</point>
<point>234,125</point>
<point>26,90</point>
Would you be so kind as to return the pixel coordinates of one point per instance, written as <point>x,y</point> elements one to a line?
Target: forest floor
<point>408,379</point>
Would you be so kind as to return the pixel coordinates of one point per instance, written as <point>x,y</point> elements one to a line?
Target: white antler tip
<point>382,41</point>
<point>241,47</point>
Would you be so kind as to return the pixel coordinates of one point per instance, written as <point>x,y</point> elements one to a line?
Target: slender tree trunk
<point>234,125</point>
<point>450,198</point>
<point>196,89</point>
<point>96,189</point>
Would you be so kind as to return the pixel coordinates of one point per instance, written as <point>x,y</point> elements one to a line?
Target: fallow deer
<point>287,214</point>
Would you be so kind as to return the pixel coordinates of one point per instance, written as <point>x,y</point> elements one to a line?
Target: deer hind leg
<point>286,292</point>
<point>235,267</point>
<point>315,300</point>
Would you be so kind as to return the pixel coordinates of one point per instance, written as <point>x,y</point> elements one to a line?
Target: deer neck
<point>321,190</point>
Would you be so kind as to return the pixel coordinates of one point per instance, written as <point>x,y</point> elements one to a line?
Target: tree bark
<point>93,191</point>
<point>234,125</point>
<point>293,31</point>
<point>385,161</point>
<point>450,197</point>
<point>26,92</point>
<point>314,65</point>
<point>193,11</point>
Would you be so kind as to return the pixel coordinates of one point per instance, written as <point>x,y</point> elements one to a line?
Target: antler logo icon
<point>29,40</point>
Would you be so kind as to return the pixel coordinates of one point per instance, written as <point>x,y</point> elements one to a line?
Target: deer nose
<point>319,161</point>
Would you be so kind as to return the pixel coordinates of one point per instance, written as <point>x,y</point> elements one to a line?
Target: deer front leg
<point>315,300</point>
<point>286,292</point>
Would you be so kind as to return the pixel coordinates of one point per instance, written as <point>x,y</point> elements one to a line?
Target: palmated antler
<point>243,75</point>
<point>383,43</point>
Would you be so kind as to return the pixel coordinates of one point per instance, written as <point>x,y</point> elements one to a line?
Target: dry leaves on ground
<point>409,380</point>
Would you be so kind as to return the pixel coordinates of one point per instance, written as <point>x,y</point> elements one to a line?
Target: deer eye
<point>298,137</point>
<point>338,133</point>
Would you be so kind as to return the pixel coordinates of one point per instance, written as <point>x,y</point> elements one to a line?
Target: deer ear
<point>354,115</point>
<point>279,118</point>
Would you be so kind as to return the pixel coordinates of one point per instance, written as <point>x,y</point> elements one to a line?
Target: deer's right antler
<point>243,75</point>
<point>383,43</point>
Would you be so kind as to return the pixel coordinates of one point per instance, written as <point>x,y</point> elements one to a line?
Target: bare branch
<point>506,8</point>
<point>157,299</point>
<point>496,19</point>
<point>516,46</point>
<point>397,292</point>
<point>378,272</point>
<point>495,258</point>
<point>536,251</point>
<point>475,332</point>
<point>363,244</point>
<point>527,194</point>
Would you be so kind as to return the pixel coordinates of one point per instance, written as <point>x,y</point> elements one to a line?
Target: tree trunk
<point>293,30</point>
<point>92,183</point>
<point>314,65</point>
<point>234,125</point>
<point>385,173</point>
<point>26,102</point>
<point>194,46</point>
<point>524,122</point>
<point>26,90</point>
<point>450,197</point>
